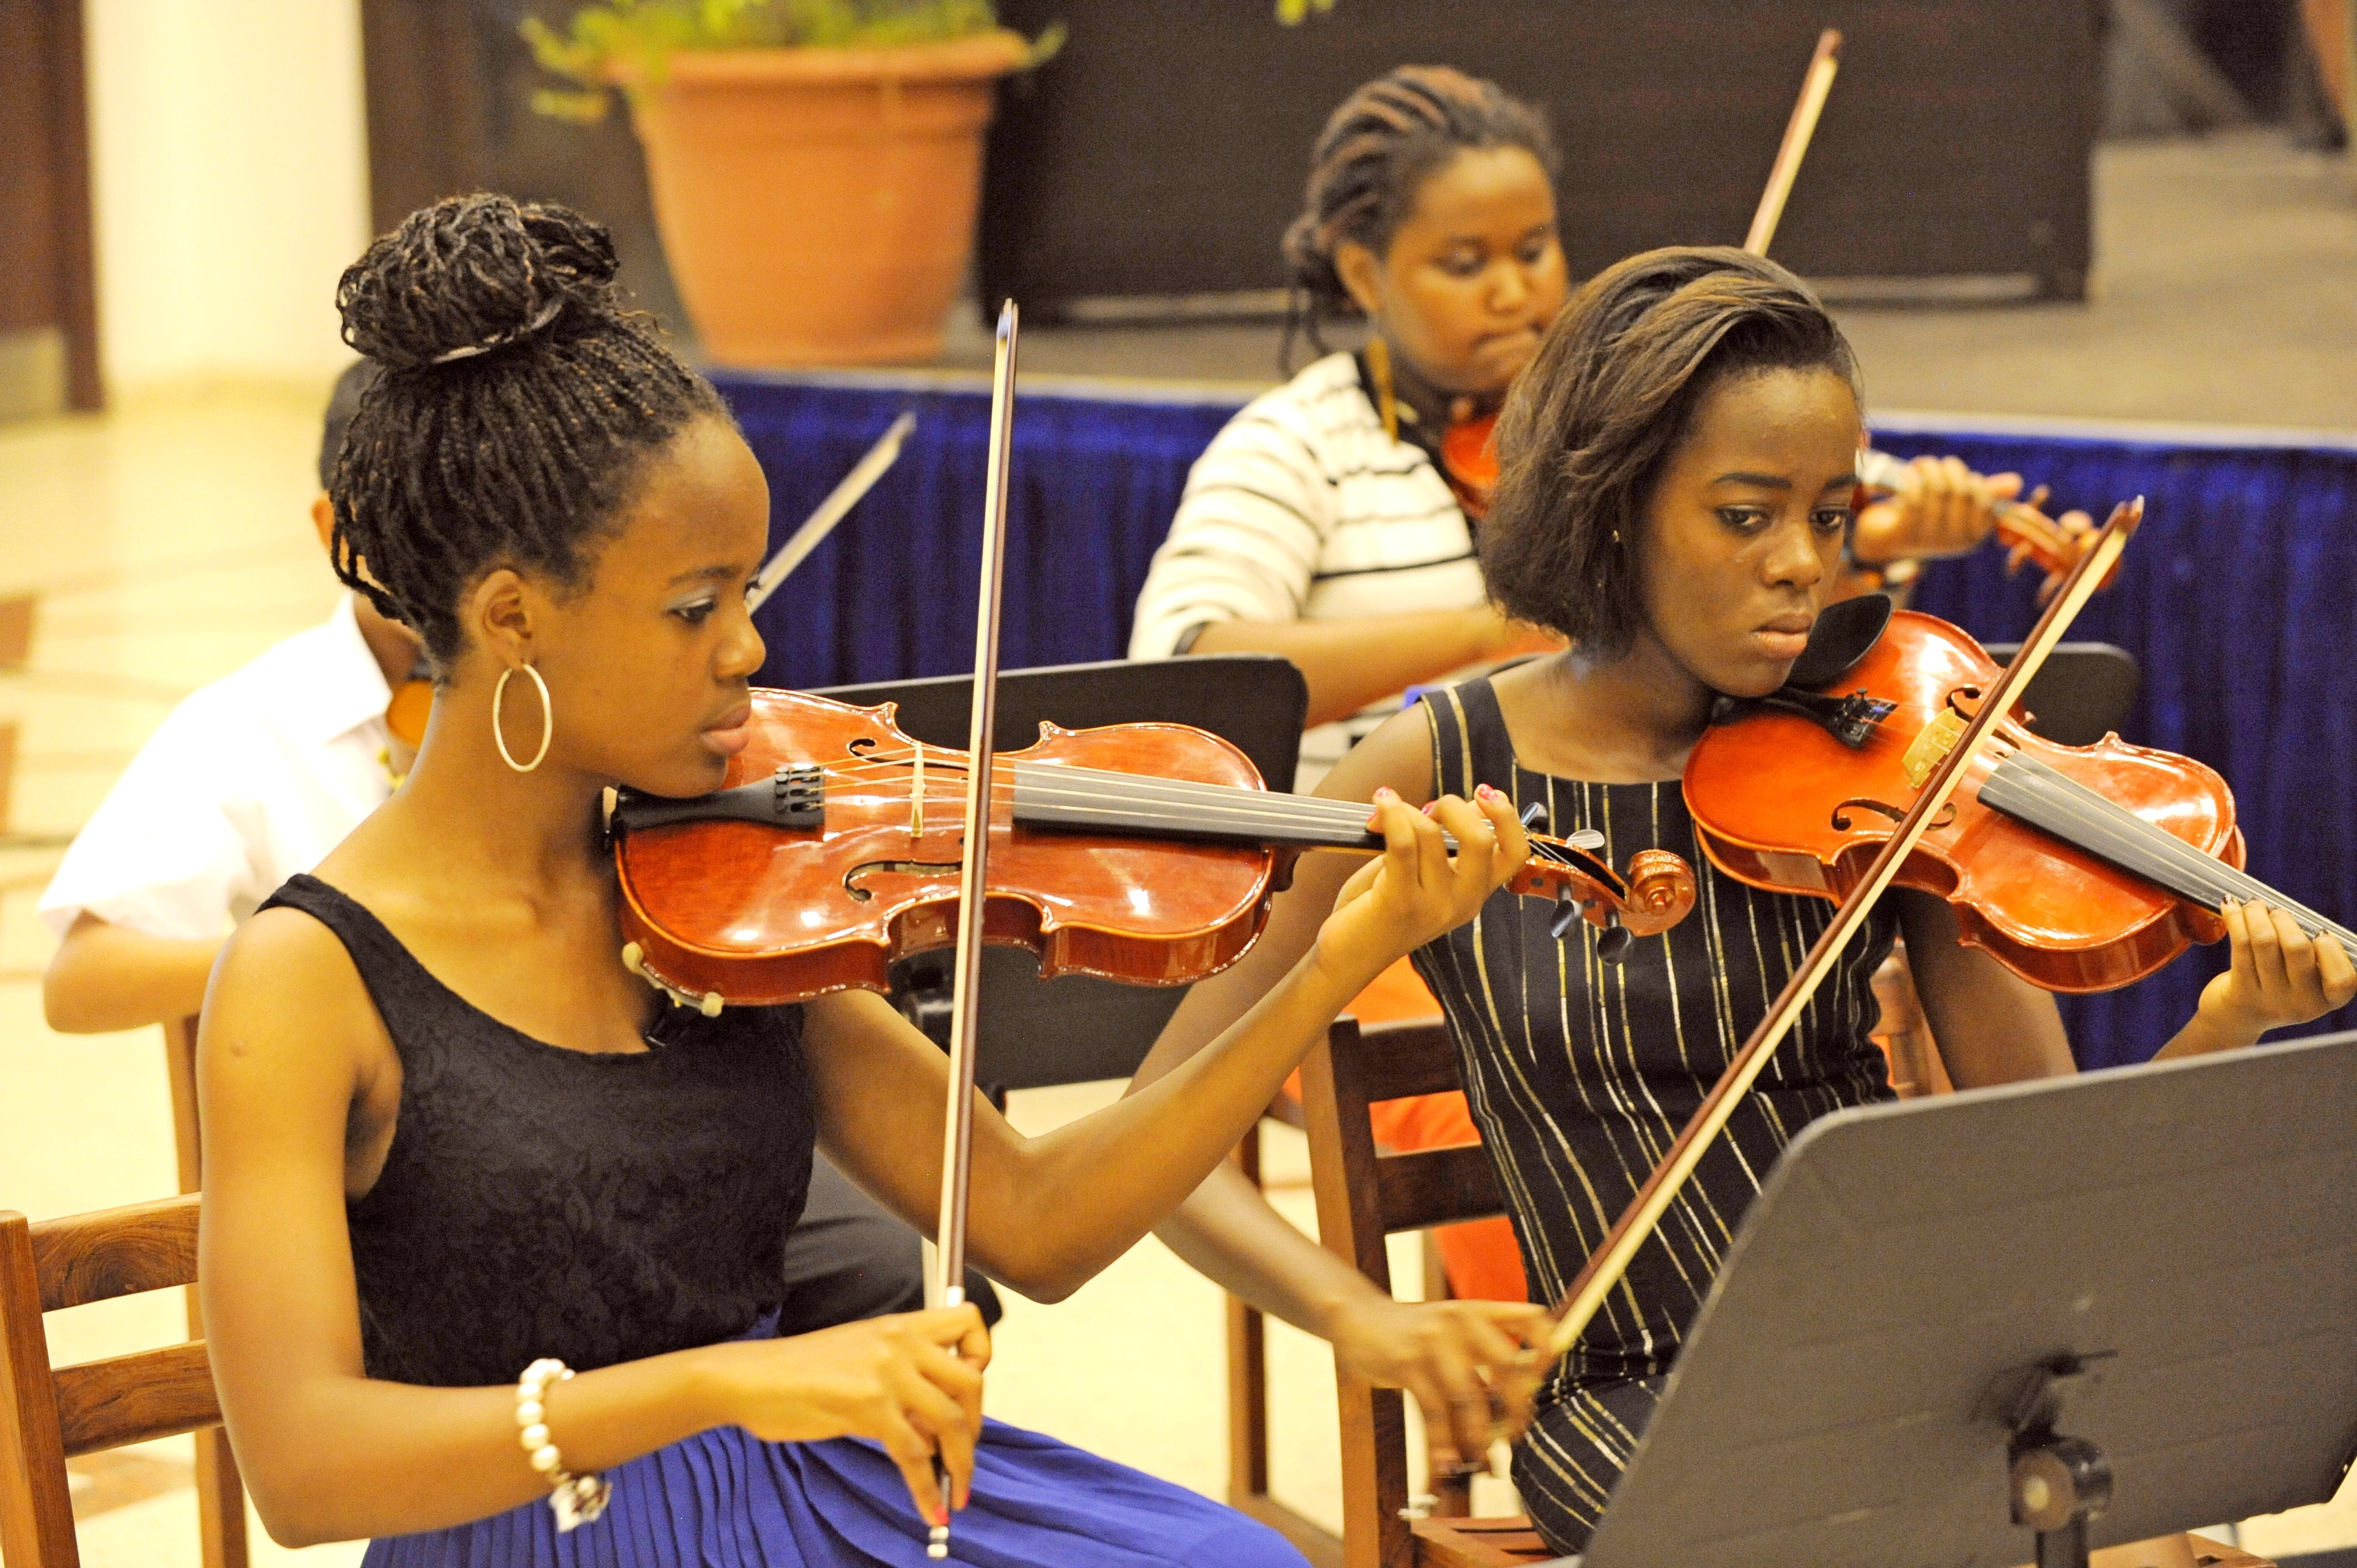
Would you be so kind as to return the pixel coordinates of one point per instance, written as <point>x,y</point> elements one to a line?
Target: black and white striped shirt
<point>1302,508</point>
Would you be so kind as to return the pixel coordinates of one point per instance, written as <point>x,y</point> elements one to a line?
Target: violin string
<point>1235,807</point>
<point>2148,850</point>
<point>2219,879</point>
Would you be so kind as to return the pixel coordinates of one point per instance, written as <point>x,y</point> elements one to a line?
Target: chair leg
<point>221,1501</point>
<point>1247,1375</point>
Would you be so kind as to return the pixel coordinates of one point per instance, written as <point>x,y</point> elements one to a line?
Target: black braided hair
<point>1374,155</point>
<point>342,404</point>
<point>517,402</point>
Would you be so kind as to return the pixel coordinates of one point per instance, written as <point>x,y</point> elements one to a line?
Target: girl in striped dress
<point>1319,525</point>
<point>1679,468</point>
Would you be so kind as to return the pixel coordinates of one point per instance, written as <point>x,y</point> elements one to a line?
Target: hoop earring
<point>547,719</point>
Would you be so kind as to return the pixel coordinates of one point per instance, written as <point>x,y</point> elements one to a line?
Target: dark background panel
<point>1165,150</point>
<point>46,256</point>
<point>450,86</point>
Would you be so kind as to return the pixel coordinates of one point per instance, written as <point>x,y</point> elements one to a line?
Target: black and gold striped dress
<point>1579,1074</point>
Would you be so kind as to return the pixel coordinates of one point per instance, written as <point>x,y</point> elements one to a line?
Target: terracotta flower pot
<point>817,205</point>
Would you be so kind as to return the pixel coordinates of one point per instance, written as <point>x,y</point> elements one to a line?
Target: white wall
<point>230,157</point>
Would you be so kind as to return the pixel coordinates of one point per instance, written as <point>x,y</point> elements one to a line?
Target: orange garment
<point>1483,1260</point>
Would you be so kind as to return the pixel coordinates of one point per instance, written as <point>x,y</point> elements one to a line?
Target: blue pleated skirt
<point>725,1499</point>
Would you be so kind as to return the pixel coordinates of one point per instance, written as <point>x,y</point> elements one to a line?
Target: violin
<point>1141,853</point>
<point>2080,868</point>
<point>2022,528</point>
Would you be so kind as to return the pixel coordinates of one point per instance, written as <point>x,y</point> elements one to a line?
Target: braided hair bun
<point>1375,154</point>
<point>471,275</point>
<point>519,404</point>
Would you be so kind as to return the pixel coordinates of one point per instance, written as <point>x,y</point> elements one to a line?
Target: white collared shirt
<point>250,780</point>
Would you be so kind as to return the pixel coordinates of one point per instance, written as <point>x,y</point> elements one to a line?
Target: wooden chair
<point>48,1414</point>
<point>1364,1197</point>
<point>221,1495</point>
<point>1248,1490</point>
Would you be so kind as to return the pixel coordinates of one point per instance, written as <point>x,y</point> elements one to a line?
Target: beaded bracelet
<point>576,1500</point>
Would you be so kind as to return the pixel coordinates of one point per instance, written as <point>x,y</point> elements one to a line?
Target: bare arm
<point>1351,663</point>
<point>1049,1212</point>
<point>1992,1025</point>
<point>104,976</point>
<point>293,1065</point>
<point>1226,1229</point>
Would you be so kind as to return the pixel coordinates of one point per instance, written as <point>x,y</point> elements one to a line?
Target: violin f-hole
<point>892,868</point>
<point>1841,819</point>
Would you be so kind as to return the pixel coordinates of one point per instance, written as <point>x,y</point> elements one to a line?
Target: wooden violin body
<point>1143,853</point>
<point>765,914</point>
<point>1782,803</point>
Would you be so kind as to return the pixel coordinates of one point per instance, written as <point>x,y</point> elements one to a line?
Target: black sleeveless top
<point>1580,1073</point>
<point>539,1201</point>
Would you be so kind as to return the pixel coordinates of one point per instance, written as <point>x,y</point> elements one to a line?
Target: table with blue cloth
<point>2238,597</point>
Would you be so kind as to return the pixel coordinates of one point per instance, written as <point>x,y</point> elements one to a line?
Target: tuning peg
<point>1613,942</point>
<point>1534,817</point>
<point>1566,916</point>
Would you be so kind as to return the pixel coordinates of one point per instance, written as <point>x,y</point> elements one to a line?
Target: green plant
<point>629,41</point>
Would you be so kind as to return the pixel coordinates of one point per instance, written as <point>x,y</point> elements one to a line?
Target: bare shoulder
<point>1397,753</point>
<point>285,999</point>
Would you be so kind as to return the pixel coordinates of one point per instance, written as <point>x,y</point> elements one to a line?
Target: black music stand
<point>1079,1027</point>
<point>2143,1280</point>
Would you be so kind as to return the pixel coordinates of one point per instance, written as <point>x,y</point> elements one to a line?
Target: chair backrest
<point>50,1414</point>
<point>1081,1027</point>
<point>2083,693</point>
<point>1364,1195</point>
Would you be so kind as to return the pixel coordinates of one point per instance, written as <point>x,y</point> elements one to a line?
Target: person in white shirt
<point>250,780</point>
<point>257,777</point>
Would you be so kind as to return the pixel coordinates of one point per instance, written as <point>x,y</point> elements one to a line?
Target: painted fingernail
<point>1385,792</point>
<point>1485,793</point>
<point>1428,805</point>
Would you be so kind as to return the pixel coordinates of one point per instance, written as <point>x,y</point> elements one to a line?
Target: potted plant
<point>815,164</point>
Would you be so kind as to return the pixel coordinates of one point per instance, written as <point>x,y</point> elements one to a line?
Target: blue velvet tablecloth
<point>2239,598</point>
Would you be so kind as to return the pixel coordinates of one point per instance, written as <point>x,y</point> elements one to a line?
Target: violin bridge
<point>1930,746</point>
<point>917,794</point>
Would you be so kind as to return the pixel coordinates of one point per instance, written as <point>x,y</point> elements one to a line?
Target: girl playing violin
<point>1680,459</point>
<point>1320,524</point>
<point>456,1155</point>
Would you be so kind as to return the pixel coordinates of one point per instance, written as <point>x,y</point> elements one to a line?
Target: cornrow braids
<point>516,405</point>
<point>1591,423</point>
<point>1375,154</point>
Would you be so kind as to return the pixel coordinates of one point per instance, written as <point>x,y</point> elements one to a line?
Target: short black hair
<point>517,402</point>
<point>1589,425</point>
<point>1375,154</point>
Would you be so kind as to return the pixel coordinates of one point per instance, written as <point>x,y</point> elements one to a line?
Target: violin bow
<point>947,1288</point>
<point>1795,146</point>
<point>1611,1261</point>
<point>872,466</point>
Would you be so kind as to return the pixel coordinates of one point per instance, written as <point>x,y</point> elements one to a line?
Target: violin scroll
<point>1658,892</point>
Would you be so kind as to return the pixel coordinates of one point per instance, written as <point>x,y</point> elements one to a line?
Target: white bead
<point>710,1006</point>
<point>535,1436</point>
<point>528,1413</point>
<point>544,1459</point>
